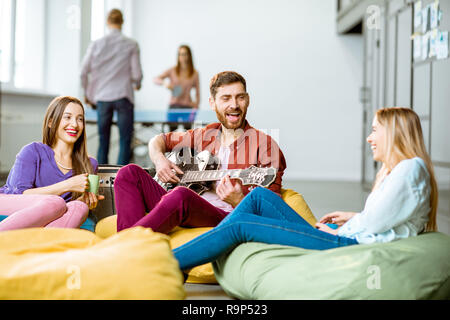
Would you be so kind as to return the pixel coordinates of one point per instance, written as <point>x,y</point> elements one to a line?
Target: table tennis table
<point>149,118</point>
<point>154,122</point>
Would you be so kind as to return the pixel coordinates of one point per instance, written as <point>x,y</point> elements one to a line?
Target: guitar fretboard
<point>209,175</point>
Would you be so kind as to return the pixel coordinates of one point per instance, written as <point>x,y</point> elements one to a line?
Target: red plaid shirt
<point>253,147</point>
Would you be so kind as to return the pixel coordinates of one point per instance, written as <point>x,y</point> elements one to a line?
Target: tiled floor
<point>327,196</point>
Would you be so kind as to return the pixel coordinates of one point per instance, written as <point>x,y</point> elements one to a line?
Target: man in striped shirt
<point>111,69</point>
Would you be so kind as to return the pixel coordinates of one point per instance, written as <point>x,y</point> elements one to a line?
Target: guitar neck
<point>209,175</point>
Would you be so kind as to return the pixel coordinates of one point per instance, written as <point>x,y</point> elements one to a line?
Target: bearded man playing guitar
<point>238,148</point>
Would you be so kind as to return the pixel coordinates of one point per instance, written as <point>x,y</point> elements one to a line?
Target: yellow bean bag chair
<point>178,236</point>
<point>51,263</point>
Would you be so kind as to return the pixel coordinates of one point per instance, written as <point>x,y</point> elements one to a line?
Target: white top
<point>397,209</point>
<point>211,195</point>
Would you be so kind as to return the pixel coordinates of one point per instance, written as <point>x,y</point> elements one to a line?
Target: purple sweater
<point>35,167</point>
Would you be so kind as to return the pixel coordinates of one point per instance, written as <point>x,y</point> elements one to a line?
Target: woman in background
<point>403,203</point>
<point>182,79</point>
<point>48,183</point>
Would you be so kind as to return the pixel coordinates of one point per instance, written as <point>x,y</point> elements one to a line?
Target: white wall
<point>63,47</point>
<point>23,110</point>
<point>302,77</point>
<point>22,117</point>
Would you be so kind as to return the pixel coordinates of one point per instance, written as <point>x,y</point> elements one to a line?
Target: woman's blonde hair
<point>80,159</point>
<point>404,140</point>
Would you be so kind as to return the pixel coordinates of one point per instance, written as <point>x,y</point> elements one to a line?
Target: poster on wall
<point>434,15</point>
<point>442,45</point>
<point>417,14</point>
<point>425,23</point>
<point>424,46</point>
<point>417,47</point>
<point>433,36</point>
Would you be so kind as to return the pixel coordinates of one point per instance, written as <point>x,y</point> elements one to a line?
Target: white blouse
<point>397,209</point>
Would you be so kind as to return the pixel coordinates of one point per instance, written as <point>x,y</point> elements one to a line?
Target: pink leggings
<point>32,211</point>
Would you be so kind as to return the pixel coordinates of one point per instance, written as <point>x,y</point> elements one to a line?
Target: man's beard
<point>224,121</point>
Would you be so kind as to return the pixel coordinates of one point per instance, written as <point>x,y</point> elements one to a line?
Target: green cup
<point>93,183</point>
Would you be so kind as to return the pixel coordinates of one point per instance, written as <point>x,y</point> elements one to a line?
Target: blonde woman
<point>47,185</point>
<point>396,139</point>
<point>402,204</point>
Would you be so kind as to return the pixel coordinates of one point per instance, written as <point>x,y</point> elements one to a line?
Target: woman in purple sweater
<point>48,183</point>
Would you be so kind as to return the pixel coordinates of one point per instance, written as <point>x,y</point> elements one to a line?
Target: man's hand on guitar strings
<point>229,193</point>
<point>167,171</point>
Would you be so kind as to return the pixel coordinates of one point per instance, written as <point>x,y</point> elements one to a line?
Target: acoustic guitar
<point>201,170</point>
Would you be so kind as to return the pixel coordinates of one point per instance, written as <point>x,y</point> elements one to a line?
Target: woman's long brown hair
<point>190,62</point>
<point>80,160</point>
<point>404,140</point>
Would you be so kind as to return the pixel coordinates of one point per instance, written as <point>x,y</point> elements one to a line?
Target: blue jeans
<point>262,216</point>
<point>125,119</point>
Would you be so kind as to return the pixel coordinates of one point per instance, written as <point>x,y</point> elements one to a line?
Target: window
<point>22,43</point>
<point>99,11</point>
<point>97,19</point>
<point>5,39</point>
<point>38,37</point>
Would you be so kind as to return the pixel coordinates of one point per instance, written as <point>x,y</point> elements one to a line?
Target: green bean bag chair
<point>413,268</point>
